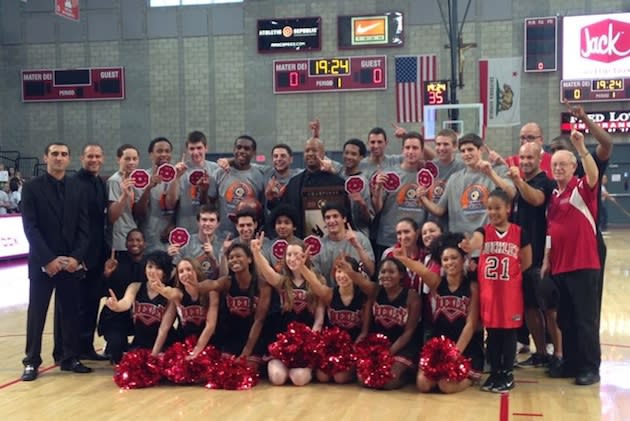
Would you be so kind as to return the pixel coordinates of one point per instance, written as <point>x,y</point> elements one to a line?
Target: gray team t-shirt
<point>466,196</point>
<point>324,261</point>
<point>439,184</point>
<point>157,219</point>
<point>189,195</point>
<point>125,223</point>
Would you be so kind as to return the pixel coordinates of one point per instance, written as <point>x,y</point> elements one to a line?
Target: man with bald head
<point>532,133</point>
<point>534,190</point>
<point>311,189</point>
<point>573,262</point>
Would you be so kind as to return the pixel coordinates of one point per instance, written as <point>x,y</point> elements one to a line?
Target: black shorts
<point>537,292</point>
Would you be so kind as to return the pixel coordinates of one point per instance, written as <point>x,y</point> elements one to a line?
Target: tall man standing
<point>55,222</point>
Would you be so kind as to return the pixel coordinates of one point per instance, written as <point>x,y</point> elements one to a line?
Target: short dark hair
<point>284,210</point>
<point>163,261</point>
<point>283,146</point>
<point>122,148</point>
<point>413,135</point>
<point>87,145</point>
<point>246,137</point>
<point>358,143</point>
<point>245,213</point>
<point>55,144</point>
<point>470,138</point>
<point>501,194</point>
<point>335,206</point>
<point>208,209</point>
<point>196,137</point>
<point>159,139</point>
<point>131,231</point>
<point>378,130</point>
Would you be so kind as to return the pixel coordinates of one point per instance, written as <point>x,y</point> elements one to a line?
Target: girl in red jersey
<point>505,253</point>
<point>298,302</point>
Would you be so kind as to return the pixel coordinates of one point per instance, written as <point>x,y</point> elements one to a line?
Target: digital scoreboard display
<point>88,84</point>
<point>541,44</point>
<point>595,90</point>
<point>436,92</point>
<point>360,73</point>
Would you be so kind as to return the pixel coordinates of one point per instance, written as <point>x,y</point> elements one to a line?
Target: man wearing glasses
<point>531,132</point>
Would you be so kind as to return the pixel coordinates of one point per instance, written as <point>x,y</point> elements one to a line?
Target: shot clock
<point>359,73</point>
<point>436,92</point>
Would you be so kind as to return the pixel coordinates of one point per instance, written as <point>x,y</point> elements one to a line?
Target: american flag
<point>411,72</point>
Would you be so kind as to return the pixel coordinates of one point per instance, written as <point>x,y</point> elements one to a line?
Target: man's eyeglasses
<point>529,138</point>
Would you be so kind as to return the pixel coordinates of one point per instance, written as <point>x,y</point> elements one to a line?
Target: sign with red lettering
<point>596,46</point>
<point>166,172</point>
<point>86,84</point>
<point>68,9</point>
<point>140,178</point>
<point>611,121</point>
<point>354,184</point>
<point>179,237</point>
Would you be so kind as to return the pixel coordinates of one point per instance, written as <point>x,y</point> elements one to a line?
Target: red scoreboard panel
<point>89,84</point>
<point>360,73</point>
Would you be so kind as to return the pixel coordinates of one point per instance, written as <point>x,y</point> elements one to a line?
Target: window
<point>162,3</point>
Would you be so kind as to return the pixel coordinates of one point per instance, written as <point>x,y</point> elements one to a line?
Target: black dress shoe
<point>75,366</point>
<point>586,379</point>
<point>93,356</point>
<point>30,373</point>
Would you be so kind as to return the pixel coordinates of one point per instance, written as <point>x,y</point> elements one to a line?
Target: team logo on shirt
<point>389,316</point>
<point>194,315</point>
<point>437,191</point>
<point>148,313</point>
<point>238,191</point>
<point>406,198</point>
<point>240,305</point>
<point>299,300</point>
<point>474,199</point>
<point>451,307</point>
<point>345,319</point>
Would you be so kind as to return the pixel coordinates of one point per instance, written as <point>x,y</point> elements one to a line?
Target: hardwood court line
<point>526,414</point>
<point>615,345</point>
<point>18,380</point>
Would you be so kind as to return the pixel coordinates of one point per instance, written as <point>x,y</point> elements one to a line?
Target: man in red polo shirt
<point>573,261</point>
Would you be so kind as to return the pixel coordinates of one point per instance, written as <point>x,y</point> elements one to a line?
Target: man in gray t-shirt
<point>341,239</point>
<point>122,197</point>
<point>182,194</point>
<point>466,193</point>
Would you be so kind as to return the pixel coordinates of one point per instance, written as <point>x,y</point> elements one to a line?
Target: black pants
<point>578,318</point>
<point>65,286</point>
<point>501,349</point>
<point>117,343</point>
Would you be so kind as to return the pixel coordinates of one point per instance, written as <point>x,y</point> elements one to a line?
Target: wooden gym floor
<point>65,396</point>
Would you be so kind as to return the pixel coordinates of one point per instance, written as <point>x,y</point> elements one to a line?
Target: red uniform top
<point>571,225</point>
<point>501,278</point>
<point>545,163</point>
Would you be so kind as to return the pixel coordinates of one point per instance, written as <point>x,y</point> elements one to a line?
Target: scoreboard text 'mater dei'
<point>360,73</point>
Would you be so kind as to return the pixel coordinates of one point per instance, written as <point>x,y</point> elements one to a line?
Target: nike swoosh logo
<point>363,29</point>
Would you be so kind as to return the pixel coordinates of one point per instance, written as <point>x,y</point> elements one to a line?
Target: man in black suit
<point>55,220</point>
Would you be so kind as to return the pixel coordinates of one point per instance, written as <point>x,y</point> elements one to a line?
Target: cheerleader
<point>196,313</point>
<point>244,301</point>
<point>455,311</point>
<point>394,312</point>
<point>505,254</point>
<point>152,316</point>
<point>345,303</point>
<point>298,303</point>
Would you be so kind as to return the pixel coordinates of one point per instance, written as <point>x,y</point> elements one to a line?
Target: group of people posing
<point>423,244</point>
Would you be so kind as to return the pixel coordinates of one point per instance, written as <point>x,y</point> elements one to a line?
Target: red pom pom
<point>297,347</point>
<point>440,359</point>
<point>232,373</point>
<point>336,351</point>
<point>180,369</point>
<point>374,361</point>
<point>138,369</point>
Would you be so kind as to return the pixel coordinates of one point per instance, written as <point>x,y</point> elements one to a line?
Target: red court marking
<point>617,345</point>
<point>504,407</point>
<point>18,380</point>
<point>526,414</point>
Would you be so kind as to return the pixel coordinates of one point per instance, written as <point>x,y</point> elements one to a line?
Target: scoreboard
<point>87,84</point>
<point>595,90</point>
<point>358,73</point>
